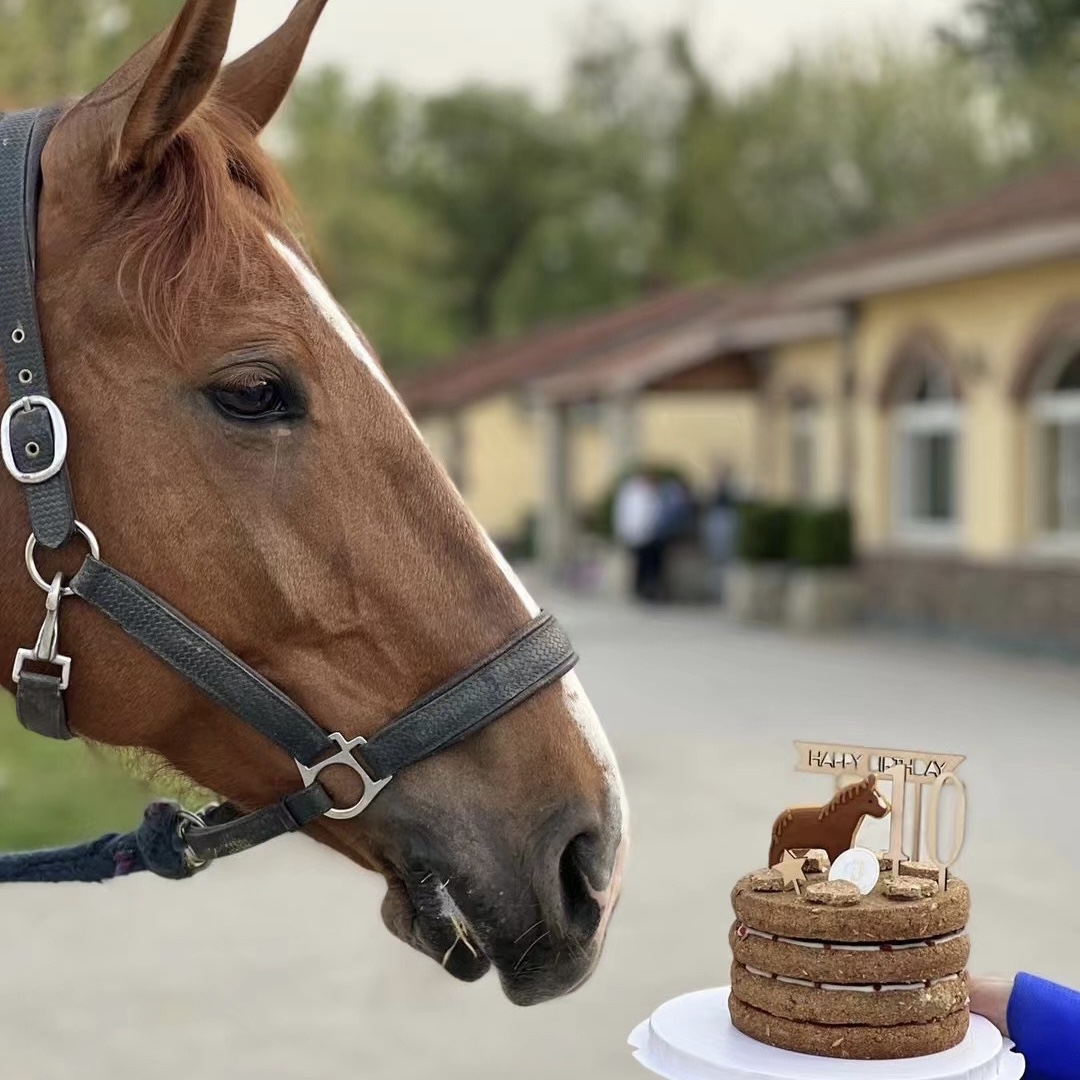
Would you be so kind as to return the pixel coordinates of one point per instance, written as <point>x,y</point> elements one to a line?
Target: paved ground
<point>215,979</point>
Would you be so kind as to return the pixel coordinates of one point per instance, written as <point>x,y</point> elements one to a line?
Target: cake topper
<point>792,868</point>
<point>918,768</point>
<point>832,827</point>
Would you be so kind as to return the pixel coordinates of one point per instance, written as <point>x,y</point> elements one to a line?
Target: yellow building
<point>485,417</point>
<point>929,376</point>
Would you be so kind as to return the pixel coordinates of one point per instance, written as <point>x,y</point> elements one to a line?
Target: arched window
<point>1056,407</point>
<point>927,439</point>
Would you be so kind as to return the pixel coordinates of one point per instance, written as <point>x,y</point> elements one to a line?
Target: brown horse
<point>830,828</point>
<point>238,449</point>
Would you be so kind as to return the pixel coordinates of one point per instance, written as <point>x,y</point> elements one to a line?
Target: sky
<point>432,45</point>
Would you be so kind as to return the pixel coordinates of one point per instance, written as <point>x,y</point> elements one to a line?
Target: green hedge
<point>764,532</point>
<point>817,538</point>
<point>823,538</point>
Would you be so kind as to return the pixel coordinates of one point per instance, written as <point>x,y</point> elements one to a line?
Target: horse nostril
<point>580,861</point>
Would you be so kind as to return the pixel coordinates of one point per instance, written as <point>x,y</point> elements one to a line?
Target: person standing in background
<point>636,520</point>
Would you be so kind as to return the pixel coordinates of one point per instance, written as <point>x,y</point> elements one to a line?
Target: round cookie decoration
<point>858,866</point>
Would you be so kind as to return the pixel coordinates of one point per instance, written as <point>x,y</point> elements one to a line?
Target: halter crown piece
<point>174,842</point>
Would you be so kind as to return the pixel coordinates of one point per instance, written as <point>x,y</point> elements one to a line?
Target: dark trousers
<point>649,570</point>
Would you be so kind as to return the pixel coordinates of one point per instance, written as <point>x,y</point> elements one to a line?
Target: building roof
<point>747,323</point>
<point>496,366</point>
<point>1034,219</point>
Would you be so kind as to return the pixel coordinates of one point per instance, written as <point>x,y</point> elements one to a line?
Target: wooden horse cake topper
<point>832,827</point>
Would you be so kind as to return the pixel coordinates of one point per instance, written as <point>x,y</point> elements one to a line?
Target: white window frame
<point>912,421</point>
<point>1059,409</point>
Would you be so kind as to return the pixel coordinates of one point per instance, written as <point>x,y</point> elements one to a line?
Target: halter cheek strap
<point>34,435</point>
<point>33,439</point>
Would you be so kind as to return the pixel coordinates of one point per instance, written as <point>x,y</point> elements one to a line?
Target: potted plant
<point>824,592</point>
<point>756,582</point>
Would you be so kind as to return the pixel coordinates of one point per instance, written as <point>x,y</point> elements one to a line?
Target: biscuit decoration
<point>832,827</point>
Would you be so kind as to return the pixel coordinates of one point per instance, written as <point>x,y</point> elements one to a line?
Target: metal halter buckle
<point>47,649</point>
<point>345,757</point>
<point>60,439</point>
<point>185,820</point>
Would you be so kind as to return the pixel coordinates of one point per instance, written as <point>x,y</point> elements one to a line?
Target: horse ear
<point>256,84</point>
<point>141,108</point>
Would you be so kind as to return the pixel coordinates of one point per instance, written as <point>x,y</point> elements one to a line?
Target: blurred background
<point>752,334</point>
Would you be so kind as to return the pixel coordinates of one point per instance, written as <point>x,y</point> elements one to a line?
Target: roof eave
<point>942,264</point>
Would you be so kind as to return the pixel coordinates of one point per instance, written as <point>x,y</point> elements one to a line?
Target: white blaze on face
<point>331,311</point>
<point>577,704</point>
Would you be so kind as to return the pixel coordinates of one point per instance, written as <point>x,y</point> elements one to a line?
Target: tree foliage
<point>53,48</point>
<point>1019,34</point>
<point>479,212</point>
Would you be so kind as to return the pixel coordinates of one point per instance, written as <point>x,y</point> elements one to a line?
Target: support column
<point>762,484</point>
<point>848,389</point>
<point>624,434</point>
<point>556,525</point>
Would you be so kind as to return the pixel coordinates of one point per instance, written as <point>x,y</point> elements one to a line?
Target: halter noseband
<point>34,442</point>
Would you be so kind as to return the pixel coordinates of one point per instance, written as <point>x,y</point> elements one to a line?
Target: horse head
<point>876,805</point>
<point>237,447</point>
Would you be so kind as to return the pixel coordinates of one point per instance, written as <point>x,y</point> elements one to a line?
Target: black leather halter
<point>33,439</point>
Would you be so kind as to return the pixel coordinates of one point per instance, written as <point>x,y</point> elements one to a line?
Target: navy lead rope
<point>155,847</point>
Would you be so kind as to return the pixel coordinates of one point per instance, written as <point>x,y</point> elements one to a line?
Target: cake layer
<point>847,963</point>
<point>853,1042</point>
<point>880,1005</point>
<point>874,919</point>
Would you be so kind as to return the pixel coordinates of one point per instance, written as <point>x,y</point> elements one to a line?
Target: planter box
<point>756,592</point>
<point>691,577</point>
<point>823,599</point>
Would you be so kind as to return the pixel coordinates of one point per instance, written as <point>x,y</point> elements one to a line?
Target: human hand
<point>990,998</point>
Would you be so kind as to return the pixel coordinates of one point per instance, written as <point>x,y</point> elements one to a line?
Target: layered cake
<point>826,970</point>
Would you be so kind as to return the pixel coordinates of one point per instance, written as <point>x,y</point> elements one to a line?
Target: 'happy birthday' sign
<point>921,767</point>
<point>900,767</point>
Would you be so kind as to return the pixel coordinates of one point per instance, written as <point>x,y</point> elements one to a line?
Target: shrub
<point>823,538</point>
<point>764,532</point>
<point>524,545</point>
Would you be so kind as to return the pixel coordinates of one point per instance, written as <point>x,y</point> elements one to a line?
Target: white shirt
<point>637,512</point>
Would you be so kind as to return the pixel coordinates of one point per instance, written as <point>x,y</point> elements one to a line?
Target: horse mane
<point>849,794</point>
<point>178,229</point>
<point>782,822</point>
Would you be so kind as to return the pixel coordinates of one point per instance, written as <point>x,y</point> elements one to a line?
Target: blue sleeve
<point>1044,1022</point>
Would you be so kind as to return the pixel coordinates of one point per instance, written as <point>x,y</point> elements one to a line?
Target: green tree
<point>382,253</point>
<point>54,48</point>
<point>828,149</point>
<point>1031,48</point>
<point>1019,34</point>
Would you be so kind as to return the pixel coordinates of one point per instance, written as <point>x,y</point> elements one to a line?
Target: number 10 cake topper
<point>914,769</point>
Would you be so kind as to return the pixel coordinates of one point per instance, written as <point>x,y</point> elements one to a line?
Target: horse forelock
<point>182,225</point>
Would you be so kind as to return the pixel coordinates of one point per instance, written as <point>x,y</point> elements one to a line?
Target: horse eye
<point>264,399</point>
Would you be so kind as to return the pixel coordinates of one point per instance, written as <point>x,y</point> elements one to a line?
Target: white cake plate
<point>692,1038</point>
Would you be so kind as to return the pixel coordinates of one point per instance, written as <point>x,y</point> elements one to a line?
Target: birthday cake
<point>867,966</point>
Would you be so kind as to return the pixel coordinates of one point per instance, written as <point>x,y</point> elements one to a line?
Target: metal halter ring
<point>35,574</point>
<point>345,757</point>
<point>185,820</point>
